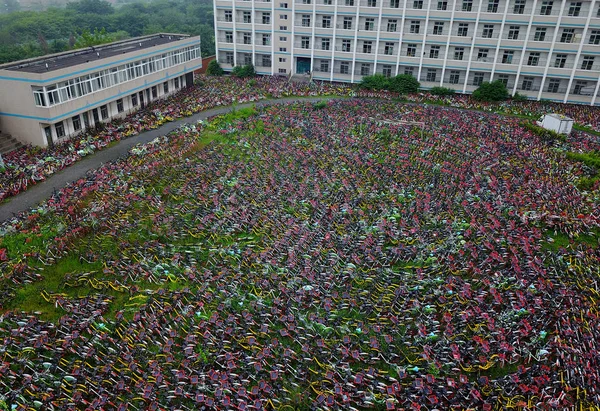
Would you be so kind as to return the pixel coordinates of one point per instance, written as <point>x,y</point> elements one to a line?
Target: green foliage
<point>591,159</point>
<point>494,91</point>
<point>519,97</point>
<point>88,39</point>
<point>244,71</point>
<point>588,183</point>
<point>214,69</point>
<point>544,134</point>
<point>320,105</point>
<point>375,82</point>
<point>442,91</point>
<point>404,84</point>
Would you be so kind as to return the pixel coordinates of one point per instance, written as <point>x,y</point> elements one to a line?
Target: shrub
<point>543,133</point>
<point>375,82</point>
<point>494,91</point>
<point>403,84</point>
<point>214,69</point>
<point>320,105</point>
<point>519,97</point>
<point>442,91</point>
<point>244,71</point>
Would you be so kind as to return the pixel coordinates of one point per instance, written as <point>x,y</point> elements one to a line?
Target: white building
<point>542,49</point>
<point>50,98</point>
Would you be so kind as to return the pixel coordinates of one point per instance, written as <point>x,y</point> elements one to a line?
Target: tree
<point>87,39</point>
<point>91,7</point>
<point>214,69</point>
<point>244,71</point>
<point>404,83</point>
<point>494,91</point>
<point>442,91</point>
<point>375,82</point>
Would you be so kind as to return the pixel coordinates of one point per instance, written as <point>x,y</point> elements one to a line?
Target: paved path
<point>40,192</point>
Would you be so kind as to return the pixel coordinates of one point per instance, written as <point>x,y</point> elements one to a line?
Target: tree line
<point>26,34</point>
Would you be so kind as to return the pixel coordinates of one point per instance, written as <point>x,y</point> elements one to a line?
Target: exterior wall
<point>340,42</point>
<point>20,116</point>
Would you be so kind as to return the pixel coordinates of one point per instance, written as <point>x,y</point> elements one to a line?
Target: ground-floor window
<point>60,129</point>
<point>76,123</point>
<point>166,87</point>
<point>154,92</point>
<point>104,112</point>
<point>120,105</point>
<point>134,100</point>
<point>176,81</point>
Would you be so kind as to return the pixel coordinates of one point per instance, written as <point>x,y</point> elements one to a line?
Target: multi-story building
<point>47,99</point>
<point>542,49</point>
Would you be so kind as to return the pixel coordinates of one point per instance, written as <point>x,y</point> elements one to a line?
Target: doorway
<point>189,79</point>
<point>302,65</point>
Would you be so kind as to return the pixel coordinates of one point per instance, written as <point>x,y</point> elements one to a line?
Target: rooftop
<point>59,61</point>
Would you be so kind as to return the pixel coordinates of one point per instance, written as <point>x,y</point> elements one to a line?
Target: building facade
<point>542,49</point>
<point>48,99</point>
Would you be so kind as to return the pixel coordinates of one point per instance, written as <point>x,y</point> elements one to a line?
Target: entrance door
<point>142,99</point>
<point>86,120</point>
<point>189,79</point>
<point>96,116</point>
<point>302,65</point>
<point>48,133</point>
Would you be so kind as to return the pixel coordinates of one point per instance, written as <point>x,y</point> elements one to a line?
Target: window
<point>77,123</point>
<point>503,78</point>
<point>326,22</point>
<point>553,85</point>
<point>266,60</point>
<point>411,50</point>
<point>418,4</point>
<point>228,37</point>
<point>594,37</point>
<point>434,52</point>
<point>493,6</point>
<point>442,5</point>
<point>513,32</point>
<point>560,61</point>
<point>467,5</point>
<point>567,35</point>
<point>527,83</point>
<point>533,59</point>
<point>282,59</point>
<point>282,28</point>
<point>306,1</point>
<point>346,45</point>
<point>283,5</point>
<point>415,26</point>
<point>282,71</point>
<point>482,54</point>
<point>587,63</point>
<point>60,129</point>
<point>388,49</point>
<point>438,28</point>
<point>305,42</point>
<point>387,70</point>
<point>463,29</point>
<point>266,18</point>
<point>365,69</point>
<point>281,38</point>
<point>248,58</point>
<point>392,25</point>
<point>478,78</point>
<point>134,100</point>
<point>540,34</point>
<point>394,4</point>
<point>324,66</point>
<point>409,71</point>
<point>247,38</point>
<point>575,8</point>
<point>247,17</point>
<point>165,87</point>
<point>431,75</point>
<point>306,20</point>
<point>327,2</point>
<point>228,60</point>
<point>459,53</point>
<point>104,112</point>
<point>325,44</point>
<point>519,7</point>
<point>507,57</point>
<point>369,24</point>
<point>367,46</point>
<point>282,49</point>
<point>344,67</point>
<point>579,87</point>
<point>283,16</point>
<point>266,39</point>
<point>546,8</point>
<point>347,23</point>
<point>120,104</point>
<point>454,77</point>
<point>349,2</point>
<point>488,31</point>
<point>371,3</point>
<point>154,94</point>
<point>228,16</point>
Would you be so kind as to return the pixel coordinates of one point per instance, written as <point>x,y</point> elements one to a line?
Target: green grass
<point>561,240</point>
